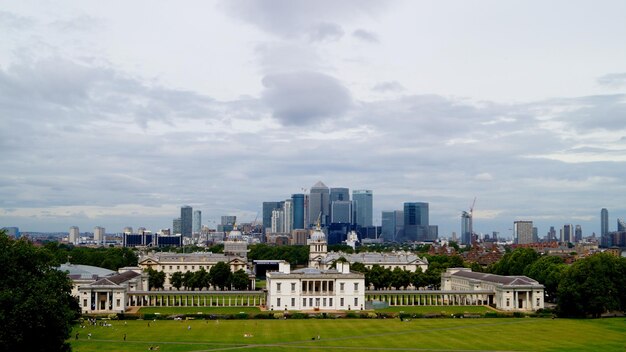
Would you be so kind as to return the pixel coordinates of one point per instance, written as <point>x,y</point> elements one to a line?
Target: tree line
<point>111,258</point>
<point>218,276</point>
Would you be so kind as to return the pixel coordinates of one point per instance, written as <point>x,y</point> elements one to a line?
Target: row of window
<point>342,286</point>
<point>317,302</point>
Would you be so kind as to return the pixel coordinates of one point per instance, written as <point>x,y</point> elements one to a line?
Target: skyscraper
<point>288,216</point>
<point>74,236</point>
<point>416,221</point>
<point>298,211</point>
<point>466,231</point>
<point>523,231</point>
<point>388,226</point>
<point>363,207</point>
<point>319,203</point>
<point>341,212</point>
<point>568,233</point>
<point>99,236</point>
<point>339,193</point>
<point>176,226</point>
<point>186,220</point>
<point>621,225</point>
<point>604,221</point>
<point>268,208</point>
<point>197,221</point>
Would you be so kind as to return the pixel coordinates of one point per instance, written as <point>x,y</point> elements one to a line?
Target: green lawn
<point>444,310</point>
<point>510,334</point>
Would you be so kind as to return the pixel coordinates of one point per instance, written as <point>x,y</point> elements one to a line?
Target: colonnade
<point>196,299</point>
<point>430,298</point>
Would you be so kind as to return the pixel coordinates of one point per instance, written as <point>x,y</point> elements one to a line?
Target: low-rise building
<point>511,293</point>
<point>315,289</point>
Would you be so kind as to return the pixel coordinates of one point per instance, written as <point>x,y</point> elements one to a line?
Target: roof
<point>403,258</point>
<point>319,184</point>
<point>116,279</point>
<point>79,271</point>
<point>497,279</point>
<point>168,257</point>
<point>310,273</point>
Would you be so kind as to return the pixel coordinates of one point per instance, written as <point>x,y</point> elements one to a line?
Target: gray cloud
<point>366,36</point>
<point>613,80</point>
<point>325,31</point>
<point>287,18</point>
<point>391,86</point>
<point>301,98</point>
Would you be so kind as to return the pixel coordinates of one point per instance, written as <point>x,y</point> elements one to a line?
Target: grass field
<point>195,310</point>
<point>443,310</point>
<point>501,334</point>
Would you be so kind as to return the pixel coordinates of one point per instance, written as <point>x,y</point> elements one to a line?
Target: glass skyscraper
<point>319,204</point>
<point>186,220</point>
<point>363,207</point>
<point>416,221</point>
<point>197,221</point>
<point>604,221</point>
<point>298,210</point>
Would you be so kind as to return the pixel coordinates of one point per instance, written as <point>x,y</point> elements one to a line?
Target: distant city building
<point>552,234</point>
<point>298,210</point>
<point>523,232</point>
<point>74,235</point>
<point>287,216</point>
<point>466,235</point>
<point>568,233</point>
<point>363,207</point>
<point>176,226</point>
<point>388,226</point>
<point>341,211</point>
<point>197,222</point>
<point>268,208</point>
<point>578,233</point>
<point>99,235</point>
<point>339,194</point>
<point>319,204</point>
<point>12,231</point>
<point>416,227</point>
<point>186,220</point>
<point>299,237</point>
<point>604,221</point>
<point>278,218</point>
<point>128,229</point>
<point>228,220</point>
<point>621,225</point>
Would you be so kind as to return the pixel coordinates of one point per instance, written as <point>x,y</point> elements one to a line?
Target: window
<point>293,287</point>
<point>193,267</point>
<point>278,287</point>
<point>177,267</point>
<point>185,267</point>
<point>508,302</point>
<point>277,302</point>
<point>341,301</point>
<point>538,301</point>
<point>330,301</point>
<point>117,302</point>
<point>310,302</point>
<point>162,267</point>
<point>304,302</point>
<point>356,301</point>
<point>324,302</point>
<point>293,302</point>
<point>356,286</point>
<point>84,303</point>
<point>170,267</point>
<point>341,286</point>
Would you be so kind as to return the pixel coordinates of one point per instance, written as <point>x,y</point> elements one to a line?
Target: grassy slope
<point>524,334</point>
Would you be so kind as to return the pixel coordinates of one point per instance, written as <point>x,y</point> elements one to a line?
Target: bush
<point>351,315</point>
<point>298,316</point>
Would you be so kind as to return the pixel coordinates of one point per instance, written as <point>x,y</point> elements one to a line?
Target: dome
<point>235,235</point>
<point>318,236</point>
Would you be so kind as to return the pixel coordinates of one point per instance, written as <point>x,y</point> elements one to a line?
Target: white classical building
<point>315,288</point>
<point>172,262</point>
<point>404,260</point>
<point>100,290</point>
<point>511,293</point>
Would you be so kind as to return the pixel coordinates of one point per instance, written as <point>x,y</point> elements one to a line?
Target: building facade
<point>604,221</point>
<point>319,204</point>
<point>523,231</point>
<point>510,293</point>
<point>363,207</point>
<point>298,210</point>
<point>186,220</point>
<point>416,227</point>
<point>197,222</point>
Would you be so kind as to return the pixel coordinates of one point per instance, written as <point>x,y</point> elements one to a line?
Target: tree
<point>400,278</point>
<point>176,280</point>
<point>220,275</point>
<point>418,279</point>
<point>240,280</point>
<point>36,306</point>
<point>515,262</point>
<point>156,279</point>
<point>379,277</point>
<point>548,270</point>
<point>592,286</point>
<point>188,280</point>
<point>202,279</point>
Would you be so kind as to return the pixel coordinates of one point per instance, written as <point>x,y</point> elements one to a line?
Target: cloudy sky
<point>116,113</point>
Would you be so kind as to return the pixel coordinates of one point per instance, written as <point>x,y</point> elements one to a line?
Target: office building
<point>466,228</point>
<point>341,212</point>
<point>604,221</point>
<point>278,221</point>
<point>363,207</point>
<point>98,235</point>
<point>197,222</point>
<point>416,227</point>
<point>176,226</point>
<point>578,234</point>
<point>268,208</point>
<point>287,216</point>
<point>319,204</point>
<point>339,194</point>
<point>567,234</point>
<point>388,226</point>
<point>186,220</point>
<point>74,236</point>
<point>523,232</point>
<point>297,201</point>
<point>621,225</point>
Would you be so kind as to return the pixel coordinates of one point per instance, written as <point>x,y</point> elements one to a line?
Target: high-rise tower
<point>197,221</point>
<point>604,221</point>
<point>416,221</point>
<point>298,211</point>
<point>319,203</point>
<point>186,220</point>
<point>363,207</point>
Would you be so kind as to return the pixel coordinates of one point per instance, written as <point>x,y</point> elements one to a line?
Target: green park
<point>392,334</point>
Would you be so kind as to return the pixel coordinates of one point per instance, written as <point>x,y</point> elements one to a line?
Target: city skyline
<point>111,120</point>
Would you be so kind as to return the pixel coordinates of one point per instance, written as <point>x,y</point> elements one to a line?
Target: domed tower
<point>317,248</point>
<point>235,244</point>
